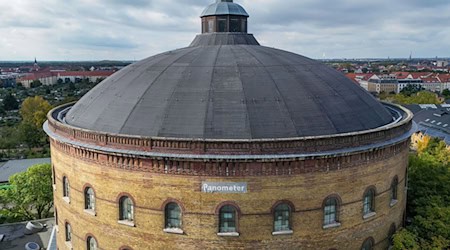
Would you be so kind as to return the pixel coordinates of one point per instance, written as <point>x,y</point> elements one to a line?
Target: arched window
<point>331,211</point>
<point>89,198</point>
<point>391,233</point>
<point>53,174</point>
<point>172,215</point>
<point>228,219</point>
<point>56,216</point>
<point>126,209</point>
<point>68,232</point>
<point>91,243</point>
<point>369,201</point>
<point>368,244</point>
<point>394,187</point>
<point>282,218</point>
<point>66,187</point>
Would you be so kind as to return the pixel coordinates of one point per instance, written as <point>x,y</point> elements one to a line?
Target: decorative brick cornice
<point>309,144</point>
<point>232,168</point>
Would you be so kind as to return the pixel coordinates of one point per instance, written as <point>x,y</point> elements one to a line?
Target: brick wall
<point>306,190</point>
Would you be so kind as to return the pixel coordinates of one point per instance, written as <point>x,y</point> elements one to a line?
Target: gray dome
<point>224,7</point>
<point>228,92</point>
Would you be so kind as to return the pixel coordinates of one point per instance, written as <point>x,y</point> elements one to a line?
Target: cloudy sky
<point>135,29</point>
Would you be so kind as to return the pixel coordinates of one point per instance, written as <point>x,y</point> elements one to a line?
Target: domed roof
<point>224,7</point>
<point>237,91</point>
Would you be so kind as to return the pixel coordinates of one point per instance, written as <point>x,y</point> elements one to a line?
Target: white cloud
<point>135,29</point>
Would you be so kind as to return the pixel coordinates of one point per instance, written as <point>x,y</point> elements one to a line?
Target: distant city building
<point>397,81</point>
<point>52,77</point>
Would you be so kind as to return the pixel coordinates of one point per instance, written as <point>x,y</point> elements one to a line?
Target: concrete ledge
<point>173,230</point>
<point>229,234</point>
<point>69,244</point>
<point>126,223</point>
<point>333,225</point>
<point>90,212</point>
<point>66,199</point>
<point>393,203</point>
<point>369,215</point>
<point>285,232</point>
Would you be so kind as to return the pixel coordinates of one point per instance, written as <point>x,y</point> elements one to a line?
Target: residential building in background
<point>397,81</point>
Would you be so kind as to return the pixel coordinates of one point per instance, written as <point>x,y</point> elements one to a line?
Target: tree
<point>34,113</point>
<point>428,199</point>
<point>2,110</point>
<point>404,239</point>
<point>34,110</point>
<point>10,102</point>
<point>35,84</point>
<point>446,93</point>
<point>411,89</point>
<point>31,194</point>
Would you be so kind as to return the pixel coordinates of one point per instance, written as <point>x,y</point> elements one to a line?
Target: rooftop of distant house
<point>16,236</point>
<point>432,119</point>
<point>16,166</point>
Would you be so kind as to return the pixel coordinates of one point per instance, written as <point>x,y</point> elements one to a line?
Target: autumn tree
<point>34,113</point>
<point>30,196</point>
<point>34,110</point>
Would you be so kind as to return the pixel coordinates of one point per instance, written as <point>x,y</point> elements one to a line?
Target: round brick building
<point>227,144</point>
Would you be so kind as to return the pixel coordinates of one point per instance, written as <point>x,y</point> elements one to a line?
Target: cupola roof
<point>224,7</point>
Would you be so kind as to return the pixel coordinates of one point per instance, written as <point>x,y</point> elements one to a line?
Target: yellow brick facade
<point>150,191</point>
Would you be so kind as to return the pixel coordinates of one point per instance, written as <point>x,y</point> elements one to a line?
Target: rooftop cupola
<point>224,16</point>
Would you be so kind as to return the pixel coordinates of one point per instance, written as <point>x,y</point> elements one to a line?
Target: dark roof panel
<point>228,92</point>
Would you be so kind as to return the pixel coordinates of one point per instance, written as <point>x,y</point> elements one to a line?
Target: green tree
<point>31,194</point>
<point>428,199</point>
<point>31,135</point>
<point>446,93</point>
<point>10,102</point>
<point>405,240</point>
<point>35,84</point>
<point>411,89</point>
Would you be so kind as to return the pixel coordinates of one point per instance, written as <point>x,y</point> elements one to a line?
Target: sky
<point>71,30</point>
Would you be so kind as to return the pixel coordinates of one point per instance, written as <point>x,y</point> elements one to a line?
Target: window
<point>53,174</point>
<point>330,212</point>
<point>172,215</point>
<point>244,25</point>
<point>227,219</point>
<point>89,199</point>
<point>368,244</point>
<point>221,24</point>
<point>210,26</point>
<point>282,217</point>
<point>56,216</point>
<point>235,25</point>
<point>369,202</point>
<point>91,243</point>
<point>66,187</point>
<point>391,233</point>
<point>394,190</point>
<point>68,232</point>
<point>126,209</point>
